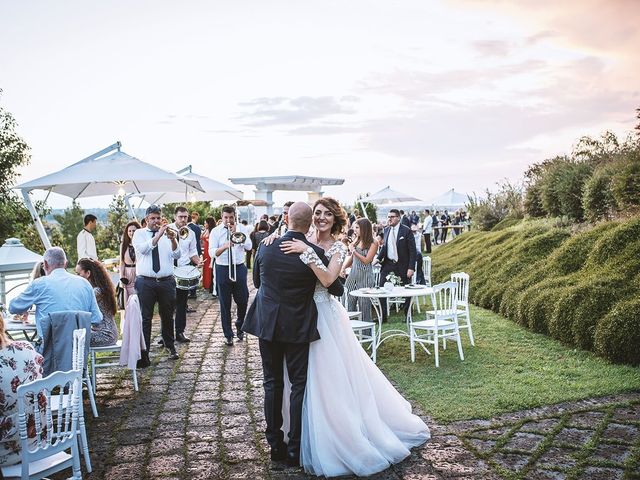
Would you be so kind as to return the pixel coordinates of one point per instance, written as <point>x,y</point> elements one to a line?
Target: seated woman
<point>104,333</point>
<point>19,364</point>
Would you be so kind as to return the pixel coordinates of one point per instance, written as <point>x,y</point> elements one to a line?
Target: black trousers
<point>419,273</point>
<point>392,267</point>
<point>181,310</point>
<point>296,355</point>
<point>427,241</point>
<point>228,290</point>
<point>163,292</point>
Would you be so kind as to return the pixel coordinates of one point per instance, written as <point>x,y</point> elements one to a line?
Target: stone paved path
<point>200,417</point>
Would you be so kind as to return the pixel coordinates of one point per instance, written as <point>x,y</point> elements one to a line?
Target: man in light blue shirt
<point>56,292</point>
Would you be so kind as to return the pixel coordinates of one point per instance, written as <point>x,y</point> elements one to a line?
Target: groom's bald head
<point>300,217</point>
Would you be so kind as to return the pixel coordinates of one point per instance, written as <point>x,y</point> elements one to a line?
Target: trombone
<point>183,233</point>
<point>235,238</point>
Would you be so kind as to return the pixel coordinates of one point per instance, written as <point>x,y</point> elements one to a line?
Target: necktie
<point>392,246</point>
<point>155,257</point>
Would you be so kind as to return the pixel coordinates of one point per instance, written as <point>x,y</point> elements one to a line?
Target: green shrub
<point>506,223</point>
<point>533,201</point>
<point>572,254</point>
<point>617,335</point>
<point>626,184</point>
<point>598,200</point>
<point>613,242</point>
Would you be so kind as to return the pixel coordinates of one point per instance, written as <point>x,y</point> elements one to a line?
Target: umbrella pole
<point>132,213</point>
<point>364,210</point>
<point>36,219</point>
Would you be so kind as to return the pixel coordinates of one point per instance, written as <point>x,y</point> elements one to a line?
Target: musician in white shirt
<point>155,254</point>
<point>227,288</point>
<point>85,243</point>
<point>188,256</point>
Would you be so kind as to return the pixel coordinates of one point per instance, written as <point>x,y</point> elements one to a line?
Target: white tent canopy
<point>213,191</point>
<point>450,200</point>
<point>387,195</point>
<point>106,172</point>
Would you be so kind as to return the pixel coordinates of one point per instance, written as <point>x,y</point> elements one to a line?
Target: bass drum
<point>187,277</point>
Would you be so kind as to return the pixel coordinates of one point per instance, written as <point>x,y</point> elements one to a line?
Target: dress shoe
<point>293,459</point>
<point>144,361</point>
<point>191,310</point>
<point>161,342</point>
<point>229,342</point>
<point>279,453</point>
<point>240,336</point>
<point>173,355</point>
<point>181,338</point>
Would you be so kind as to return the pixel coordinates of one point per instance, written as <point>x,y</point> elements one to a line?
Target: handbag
<point>120,296</point>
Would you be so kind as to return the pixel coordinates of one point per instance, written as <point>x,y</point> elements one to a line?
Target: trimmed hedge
<point>552,281</point>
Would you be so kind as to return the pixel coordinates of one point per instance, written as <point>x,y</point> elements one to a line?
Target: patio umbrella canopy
<point>387,195</point>
<point>115,173</point>
<point>451,200</point>
<point>213,191</point>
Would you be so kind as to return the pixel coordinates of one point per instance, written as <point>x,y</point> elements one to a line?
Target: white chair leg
<point>459,344</point>
<point>135,379</point>
<point>84,443</point>
<point>473,343</point>
<point>413,346</point>
<point>92,398</point>
<point>94,372</point>
<point>436,346</point>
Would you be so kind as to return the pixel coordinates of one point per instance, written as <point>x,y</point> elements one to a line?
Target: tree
<point>71,222</point>
<point>369,208</point>
<point>108,238</point>
<point>14,153</point>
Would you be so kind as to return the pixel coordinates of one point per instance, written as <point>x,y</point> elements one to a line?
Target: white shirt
<point>418,238</point>
<point>428,224</point>
<point>86,245</point>
<point>392,246</point>
<point>187,246</point>
<point>144,260</point>
<point>218,237</point>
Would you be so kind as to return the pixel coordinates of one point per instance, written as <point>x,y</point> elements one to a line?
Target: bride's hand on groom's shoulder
<point>294,246</point>
<point>268,240</point>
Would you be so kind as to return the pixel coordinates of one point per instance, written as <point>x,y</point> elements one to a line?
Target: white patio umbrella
<point>106,172</point>
<point>450,200</point>
<point>212,191</point>
<point>385,196</point>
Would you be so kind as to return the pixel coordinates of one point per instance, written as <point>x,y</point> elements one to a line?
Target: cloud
<point>304,110</point>
<point>492,48</point>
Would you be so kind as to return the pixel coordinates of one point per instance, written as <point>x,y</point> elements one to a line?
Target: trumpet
<point>235,238</point>
<point>183,233</point>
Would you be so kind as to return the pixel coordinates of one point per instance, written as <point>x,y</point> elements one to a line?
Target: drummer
<point>188,256</point>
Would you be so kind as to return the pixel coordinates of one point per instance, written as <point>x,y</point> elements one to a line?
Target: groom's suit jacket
<point>283,309</point>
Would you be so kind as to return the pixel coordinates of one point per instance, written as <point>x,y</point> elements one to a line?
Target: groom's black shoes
<point>279,453</point>
<point>293,459</point>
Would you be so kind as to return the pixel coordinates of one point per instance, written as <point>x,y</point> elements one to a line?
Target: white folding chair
<point>367,335</point>
<point>464,319</point>
<point>426,269</point>
<point>109,357</point>
<point>47,454</point>
<point>441,322</point>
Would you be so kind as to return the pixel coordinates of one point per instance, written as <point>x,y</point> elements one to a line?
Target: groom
<point>284,317</point>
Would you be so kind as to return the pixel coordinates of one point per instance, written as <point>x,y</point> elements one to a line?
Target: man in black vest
<point>397,255</point>
<point>284,318</point>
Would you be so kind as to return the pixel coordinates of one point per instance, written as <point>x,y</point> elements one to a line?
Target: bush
<point>598,200</point>
<point>533,201</point>
<point>487,212</point>
<point>613,242</point>
<point>617,335</point>
<point>572,254</point>
<point>626,184</point>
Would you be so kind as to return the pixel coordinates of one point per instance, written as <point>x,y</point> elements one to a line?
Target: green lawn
<point>509,369</point>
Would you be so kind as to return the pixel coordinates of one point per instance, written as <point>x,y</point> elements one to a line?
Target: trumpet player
<point>156,251</point>
<point>228,248</point>
<point>188,256</point>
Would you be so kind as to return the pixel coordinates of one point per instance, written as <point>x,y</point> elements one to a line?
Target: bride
<point>353,420</point>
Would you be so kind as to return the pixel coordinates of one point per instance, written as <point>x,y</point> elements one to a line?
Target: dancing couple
<point>327,406</point>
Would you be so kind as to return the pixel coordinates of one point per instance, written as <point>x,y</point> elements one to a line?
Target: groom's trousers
<point>273,356</point>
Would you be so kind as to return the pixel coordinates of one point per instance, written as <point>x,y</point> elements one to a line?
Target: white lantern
<point>16,264</point>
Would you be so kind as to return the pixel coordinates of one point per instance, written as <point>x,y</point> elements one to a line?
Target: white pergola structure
<point>265,186</point>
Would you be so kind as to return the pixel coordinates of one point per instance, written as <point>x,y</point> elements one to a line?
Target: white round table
<point>376,294</point>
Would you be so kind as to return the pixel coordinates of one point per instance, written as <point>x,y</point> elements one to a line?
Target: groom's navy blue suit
<point>284,317</point>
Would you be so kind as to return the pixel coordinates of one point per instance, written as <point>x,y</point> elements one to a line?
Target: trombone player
<point>188,256</point>
<point>228,245</point>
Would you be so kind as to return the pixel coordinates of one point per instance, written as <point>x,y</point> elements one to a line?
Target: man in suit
<point>397,255</point>
<point>284,318</point>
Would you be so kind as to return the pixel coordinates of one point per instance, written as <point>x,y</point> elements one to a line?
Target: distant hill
<point>101,213</point>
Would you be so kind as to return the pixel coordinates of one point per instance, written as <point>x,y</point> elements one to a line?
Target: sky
<point>421,95</point>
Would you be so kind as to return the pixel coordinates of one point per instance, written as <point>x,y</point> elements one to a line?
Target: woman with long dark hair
<point>128,260</point>
<point>104,333</point>
<point>362,251</point>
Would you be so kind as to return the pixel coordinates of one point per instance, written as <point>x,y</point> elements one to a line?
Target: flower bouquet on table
<point>392,280</point>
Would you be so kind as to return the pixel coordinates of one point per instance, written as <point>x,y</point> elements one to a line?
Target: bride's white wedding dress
<point>353,420</point>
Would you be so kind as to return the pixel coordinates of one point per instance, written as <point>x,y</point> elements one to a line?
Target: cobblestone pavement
<point>201,417</point>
